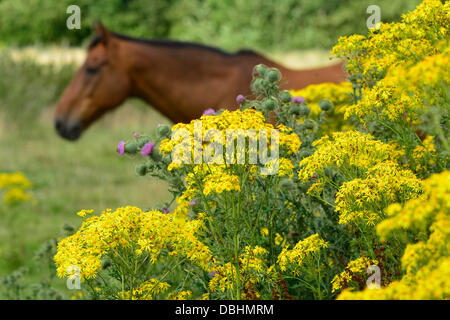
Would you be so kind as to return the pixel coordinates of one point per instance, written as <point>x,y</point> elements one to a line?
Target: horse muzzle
<point>70,130</point>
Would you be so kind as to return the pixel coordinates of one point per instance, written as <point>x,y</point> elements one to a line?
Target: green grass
<point>67,176</point>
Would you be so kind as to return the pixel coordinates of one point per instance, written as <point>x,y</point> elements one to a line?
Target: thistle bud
<point>299,100</point>
<point>273,75</point>
<point>257,84</point>
<point>155,152</point>
<point>142,141</point>
<point>121,148</point>
<point>165,209</point>
<point>147,148</point>
<point>141,169</point>
<point>325,105</point>
<point>304,110</point>
<point>260,70</point>
<point>285,96</point>
<point>209,112</point>
<point>269,104</point>
<point>264,83</point>
<point>240,99</point>
<point>295,110</point>
<point>130,147</point>
<point>163,131</point>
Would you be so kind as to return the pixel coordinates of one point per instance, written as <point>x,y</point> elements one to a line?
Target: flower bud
<point>270,104</point>
<point>264,83</point>
<point>147,148</point>
<point>304,110</point>
<point>299,100</point>
<point>273,75</point>
<point>294,110</point>
<point>163,131</point>
<point>121,148</point>
<point>209,112</point>
<point>165,210</point>
<point>240,99</point>
<point>257,84</point>
<point>155,152</point>
<point>325,105</point>
<point>130,147</point>
<point>142,141</point>
<point>141,169</point>
<point>259,70</point>
<point>285,96</point>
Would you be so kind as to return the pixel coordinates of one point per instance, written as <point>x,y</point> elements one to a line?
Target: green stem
<point>318,278</point>
<point>167,273</point>
<point>272,215</point>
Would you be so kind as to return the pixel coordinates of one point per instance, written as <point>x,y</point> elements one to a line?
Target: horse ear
<point>102,32</point>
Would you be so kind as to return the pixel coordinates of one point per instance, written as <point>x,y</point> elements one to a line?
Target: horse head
<point>100,85</point>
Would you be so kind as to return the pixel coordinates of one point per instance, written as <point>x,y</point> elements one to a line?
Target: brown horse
<point>179,79</point>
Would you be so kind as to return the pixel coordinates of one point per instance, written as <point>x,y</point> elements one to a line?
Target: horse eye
<point>92,70</point>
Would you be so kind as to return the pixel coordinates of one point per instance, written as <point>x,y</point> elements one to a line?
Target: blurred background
<point>39,55</point>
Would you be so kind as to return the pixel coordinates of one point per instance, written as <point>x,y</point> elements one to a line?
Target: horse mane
<point>174,44</point>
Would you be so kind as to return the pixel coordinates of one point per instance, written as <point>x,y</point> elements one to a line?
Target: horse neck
<point>181,83</point>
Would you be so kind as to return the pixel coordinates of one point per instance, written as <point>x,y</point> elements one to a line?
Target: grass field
<point>67,177</point>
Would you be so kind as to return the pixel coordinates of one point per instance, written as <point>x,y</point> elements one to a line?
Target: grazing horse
<point>180,79</point>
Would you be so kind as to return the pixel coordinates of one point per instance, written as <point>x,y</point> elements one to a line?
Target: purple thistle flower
<point>121,148</point>
<point>298,99</point>
<point>147,148</point>
<point>192,203</point>
<point>240,99</point>
<point>209,112</point>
